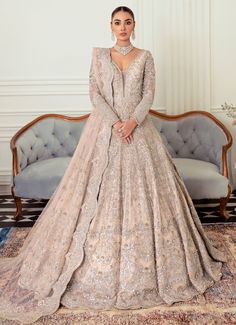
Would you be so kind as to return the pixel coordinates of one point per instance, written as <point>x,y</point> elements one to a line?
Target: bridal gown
<point>120,231</point>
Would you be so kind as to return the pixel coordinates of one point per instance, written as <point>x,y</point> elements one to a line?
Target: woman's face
<point>122,25</point>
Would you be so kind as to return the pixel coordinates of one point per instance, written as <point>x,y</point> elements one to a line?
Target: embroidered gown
<point>120,231</point>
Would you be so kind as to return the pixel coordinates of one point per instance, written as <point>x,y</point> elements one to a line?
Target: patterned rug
<point>217,306</point>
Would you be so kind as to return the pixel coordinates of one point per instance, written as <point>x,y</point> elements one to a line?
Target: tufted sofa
<point>199,145</point>
<point>41,152</point>
<point>197,142</point>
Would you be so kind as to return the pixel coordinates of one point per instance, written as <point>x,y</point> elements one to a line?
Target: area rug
<point>4,233</point>
<point>217,306</point>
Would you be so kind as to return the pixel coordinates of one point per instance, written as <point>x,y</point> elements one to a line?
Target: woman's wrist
<point>134,121</point>
<point>116,124</point>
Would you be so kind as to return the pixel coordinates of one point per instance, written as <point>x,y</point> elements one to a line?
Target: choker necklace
<point>123,49</point>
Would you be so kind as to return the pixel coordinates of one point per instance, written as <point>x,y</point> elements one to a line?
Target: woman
<point>120,231</point>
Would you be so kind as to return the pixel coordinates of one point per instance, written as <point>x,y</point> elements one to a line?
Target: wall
<point>46,50</point>
<point>223,64</point>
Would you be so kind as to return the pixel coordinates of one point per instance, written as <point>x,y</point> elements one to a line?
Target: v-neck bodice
<point>131,63</point>
<point>124,90</point>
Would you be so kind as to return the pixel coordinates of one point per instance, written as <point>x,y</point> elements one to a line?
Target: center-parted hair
<point>122,8</point>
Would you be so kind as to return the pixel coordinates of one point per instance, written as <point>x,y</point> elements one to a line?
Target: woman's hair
<point>122,8</point>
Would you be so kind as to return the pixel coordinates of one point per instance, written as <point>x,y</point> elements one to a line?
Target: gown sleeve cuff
<point>114,121</point>
<point>135,118</point>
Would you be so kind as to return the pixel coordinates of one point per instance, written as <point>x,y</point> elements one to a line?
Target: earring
<point>112,36</point>
<point>133,35</point>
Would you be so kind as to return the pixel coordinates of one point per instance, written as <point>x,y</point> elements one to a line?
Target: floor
<point>33,208</point>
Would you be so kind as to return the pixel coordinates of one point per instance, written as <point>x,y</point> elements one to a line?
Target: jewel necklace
<point>123,49</point>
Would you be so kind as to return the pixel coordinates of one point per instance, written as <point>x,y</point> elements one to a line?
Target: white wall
<point>223,52</point>
<point>45,52</point>
<point>223,63</point>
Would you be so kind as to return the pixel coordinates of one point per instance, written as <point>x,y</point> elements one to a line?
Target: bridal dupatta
<point>31,284</point>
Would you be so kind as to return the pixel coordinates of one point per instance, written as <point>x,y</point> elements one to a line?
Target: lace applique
<point>95,79</point>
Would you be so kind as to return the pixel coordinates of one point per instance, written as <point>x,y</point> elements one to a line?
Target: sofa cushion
<point>202,178</point>
<point>40,179</point>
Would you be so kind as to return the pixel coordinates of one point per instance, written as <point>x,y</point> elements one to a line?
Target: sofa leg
<point>18,208</point>
<point>18,204</point>
<point>223,204</point>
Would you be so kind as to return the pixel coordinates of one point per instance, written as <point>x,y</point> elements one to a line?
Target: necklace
<point>123,49</point>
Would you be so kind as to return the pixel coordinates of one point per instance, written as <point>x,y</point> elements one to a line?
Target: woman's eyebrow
<point>120,20</point>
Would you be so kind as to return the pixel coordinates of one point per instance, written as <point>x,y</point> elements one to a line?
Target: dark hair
<point>122,8</point>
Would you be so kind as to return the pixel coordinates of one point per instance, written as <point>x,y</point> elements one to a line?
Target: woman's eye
<point>116,23</point>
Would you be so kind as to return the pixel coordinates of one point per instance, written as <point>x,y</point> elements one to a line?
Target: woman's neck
<point>123,43</point>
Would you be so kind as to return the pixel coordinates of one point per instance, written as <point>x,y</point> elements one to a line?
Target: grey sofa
<point>196,140</point>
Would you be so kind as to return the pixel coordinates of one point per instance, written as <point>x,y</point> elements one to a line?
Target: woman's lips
<point>123,34</point>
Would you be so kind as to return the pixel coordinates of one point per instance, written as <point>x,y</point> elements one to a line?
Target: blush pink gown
<point>121,230</point>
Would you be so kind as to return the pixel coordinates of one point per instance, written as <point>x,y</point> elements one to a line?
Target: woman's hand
<point>117,126</point>
<point>125,129</point>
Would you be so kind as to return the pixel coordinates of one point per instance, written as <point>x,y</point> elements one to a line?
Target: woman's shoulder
<point>147,53</point>
<point>99,49</point>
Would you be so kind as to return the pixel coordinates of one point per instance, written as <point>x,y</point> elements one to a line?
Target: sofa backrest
<point>48,138</point>
<point>192,136</point>
<point>195,136</point>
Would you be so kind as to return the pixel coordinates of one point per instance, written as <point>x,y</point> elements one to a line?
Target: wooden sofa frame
<point>223,201</point>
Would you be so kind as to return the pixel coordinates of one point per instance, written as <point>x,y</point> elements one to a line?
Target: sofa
<point>198,143</point>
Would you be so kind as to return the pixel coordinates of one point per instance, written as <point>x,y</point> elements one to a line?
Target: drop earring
<point>112,36</point>
<point>133,35</point>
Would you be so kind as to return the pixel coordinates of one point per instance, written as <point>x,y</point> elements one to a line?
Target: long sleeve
<point>96,98</point>
<point>145,104</point>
